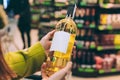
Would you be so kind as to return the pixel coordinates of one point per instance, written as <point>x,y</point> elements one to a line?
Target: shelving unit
<point>98,38</point>
<point>106,46</point>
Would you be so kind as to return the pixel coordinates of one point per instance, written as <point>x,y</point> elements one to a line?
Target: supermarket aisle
<point>117,77</point>
<point>34,38</point>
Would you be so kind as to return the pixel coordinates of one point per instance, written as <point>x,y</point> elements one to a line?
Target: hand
<point>60,75</point>
<point>17,16</point>
<point>46,41</point>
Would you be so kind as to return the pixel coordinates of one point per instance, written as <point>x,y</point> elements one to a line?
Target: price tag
<point>92,46</point>
<point>101,71</point>
<point>83,3</point>
<point>89,70</point>
<point>109,27</point>
<point>101,28</point>
<point>80,69</point>
<point>92,25</point>
<point>79,25</point>
<point>113,70</point>
<point>99,48</point>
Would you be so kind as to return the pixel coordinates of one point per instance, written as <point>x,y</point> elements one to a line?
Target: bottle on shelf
<point>83,59</point>
<point>87,17</point>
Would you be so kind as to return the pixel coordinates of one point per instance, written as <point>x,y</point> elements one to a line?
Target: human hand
<point>46,41</point>
<point>60,75</point>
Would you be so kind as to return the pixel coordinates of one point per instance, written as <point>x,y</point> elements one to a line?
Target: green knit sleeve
<point>26,62</point>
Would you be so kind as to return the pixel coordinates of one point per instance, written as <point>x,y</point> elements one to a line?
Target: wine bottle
<point>62,44</point>
<point>87,17</point>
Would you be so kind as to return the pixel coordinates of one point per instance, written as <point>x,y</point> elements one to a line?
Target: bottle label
<point>60,41</point>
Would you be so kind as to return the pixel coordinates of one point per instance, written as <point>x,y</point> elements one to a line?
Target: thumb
<point>62,73</point>
<point>68,66</point>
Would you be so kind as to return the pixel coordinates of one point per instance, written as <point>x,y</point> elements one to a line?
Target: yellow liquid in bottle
<point>60,59</point>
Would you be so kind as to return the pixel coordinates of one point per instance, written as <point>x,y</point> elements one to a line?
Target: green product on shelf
<point>92,25</point>
<point>109,27</point>
<point>83,3</point>
<point>101,27</point>
<point>79,46</point>
<point>99,48</point>
<point>81,69</point>
<point>86,70</point>
<point>79,25</point>
<point>62,16</point>
<point>59,4</point>
<point>92,46</point>
<point>46,3</point>
<point>113,70</point>
<point>117,47</point>
<point>101,71</point>
<point>89,70</point>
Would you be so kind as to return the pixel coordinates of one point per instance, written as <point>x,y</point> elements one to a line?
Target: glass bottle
<point>62,45</point>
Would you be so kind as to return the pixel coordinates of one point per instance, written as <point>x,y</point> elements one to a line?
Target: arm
<point>3,16</point>
<point>27,62</point>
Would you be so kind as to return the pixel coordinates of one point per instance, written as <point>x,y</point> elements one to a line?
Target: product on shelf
<point>107,63</point>
<point>112,1</point>
<point>61,2</point>
<point>88,2</point>
<point>117,39</point>
<point>99,61</point>
<point>109,21</point>
<point>60,14</point>
<point>84,60</point>
<point>45,2</point>
<point>85,39</point>
<point>118,61</point>
<point>109,3</point>
<point>107,39</point>
<point>85,17</point>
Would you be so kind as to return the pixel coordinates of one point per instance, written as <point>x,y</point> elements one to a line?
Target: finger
<point>50,34</point>
<point>43,71</point>
<point>68,66</point>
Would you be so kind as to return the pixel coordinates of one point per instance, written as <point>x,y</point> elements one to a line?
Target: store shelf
<point>100,48</point>
<point>47,24</point>
<point>85,4</point>
<point>107,27</point>
<point>112,72</point>
<point>93,73</point>
<point>109,5</point>
<point>109,71</point>
<point>85,72</point>
<point>81,26</point>
<point>80,47</point>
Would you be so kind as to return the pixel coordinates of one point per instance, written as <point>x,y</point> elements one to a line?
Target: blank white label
<point>60,41</point>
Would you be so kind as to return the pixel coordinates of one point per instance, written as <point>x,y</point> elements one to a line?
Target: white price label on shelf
<point>61,1</point>
<point>60,41</point>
